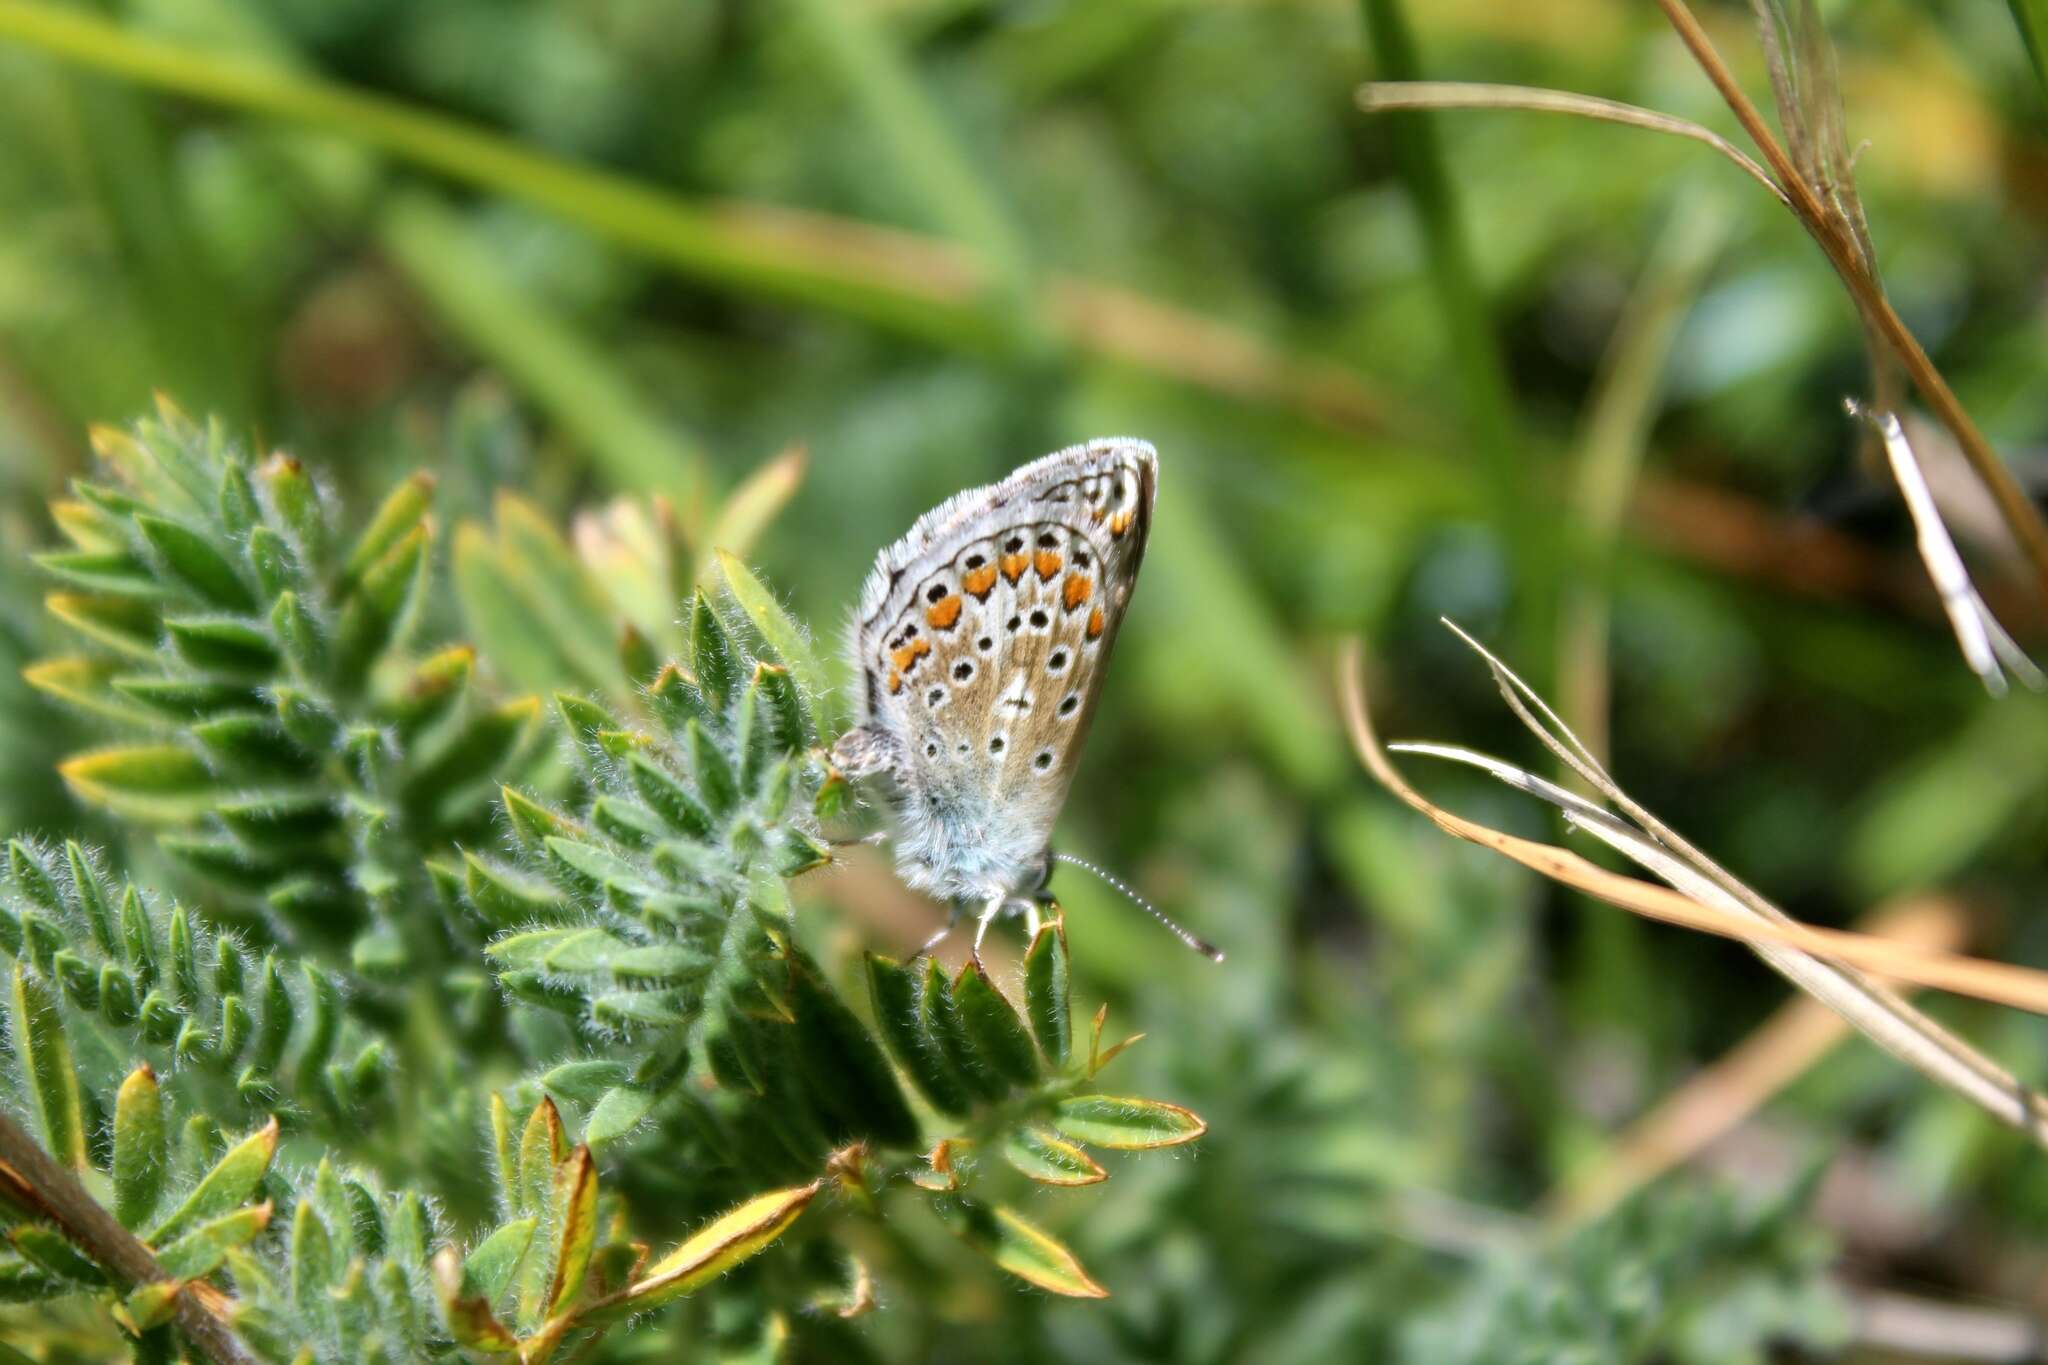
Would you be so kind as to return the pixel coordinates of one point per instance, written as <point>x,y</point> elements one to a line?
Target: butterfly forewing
<point>982,640</point>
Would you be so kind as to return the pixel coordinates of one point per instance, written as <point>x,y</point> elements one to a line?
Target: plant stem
<point>32,1177</point>
<point>1838,243</point>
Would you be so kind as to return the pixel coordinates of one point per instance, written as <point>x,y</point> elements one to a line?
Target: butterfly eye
<point>1043,760</point>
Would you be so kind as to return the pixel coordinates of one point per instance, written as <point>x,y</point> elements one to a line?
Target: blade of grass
<point>2031,18</point>
<point>1817,960</point>
<point>1612,443</point>
<point>1840,240</point>
<point>929,160</point>
<point>567,374</point>
<point>904,283</point>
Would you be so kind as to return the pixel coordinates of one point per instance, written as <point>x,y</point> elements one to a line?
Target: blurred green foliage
<point>594,263</point>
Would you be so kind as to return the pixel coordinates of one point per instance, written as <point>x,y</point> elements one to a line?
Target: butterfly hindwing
<point>982,640</point>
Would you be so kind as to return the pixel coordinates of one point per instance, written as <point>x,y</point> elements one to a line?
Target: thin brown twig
<point>1838,241</point>
<point>34,1178</point>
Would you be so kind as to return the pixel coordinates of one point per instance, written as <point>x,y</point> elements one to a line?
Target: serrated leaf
<point>141,1148</point>
<point>44,1056</point>
<point>669,796</point>
<point>1126,1124</point>
<point>943,1027</point>
<point>1049,1159</point>
<point>233,1179</point>
<point>714,655</point>
<point>716,781</point>
<point>993,1027</point>
<point>730,1239</point>
<point>1046,997</point>
<point>200,1251</point>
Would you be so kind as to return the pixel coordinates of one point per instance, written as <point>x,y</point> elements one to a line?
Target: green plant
<point>351,880</point>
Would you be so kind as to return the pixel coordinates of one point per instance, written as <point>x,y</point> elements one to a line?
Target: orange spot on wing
<point>1014,565</point>
<point>944,612</point>
<point>1048,564</point>
<point>980,581</point>
<point>895,683</point>
<point>1077,589</point>
<point>1120,523</point>
<point>906,658</point>
<point>1095,623</point>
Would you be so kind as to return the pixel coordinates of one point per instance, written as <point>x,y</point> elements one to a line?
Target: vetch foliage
<point>282,1115</point>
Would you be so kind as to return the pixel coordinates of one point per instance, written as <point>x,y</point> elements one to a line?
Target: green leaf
<point>151,1305</point>
<point>714,654</point>
<point>618,1113</point>
<point>120,623</point>
<point>469,1317</point>
<point>90,685</point>
<point>669,796</point>
<point>892,989</point>
<point>542,1146</point>
<point>848,1076</point>
<point>222,644</point>
<point>940,1021</point>
<point>993,1026</point>
<point>1126,1124</point>
<point>156,782</point>
<point>191,559</point>
<point>730,1239</point>
<point>312,1261</point>
<point>586,1082</point>
<point>778,630</point>
<point>1028,1252</point>
<point>403,509</point>
<point>1049,1159</point>
<point>46,1064</point>
<point>716,781</point>
<point>233,1179</point>
<point>575,1220</point>
<point>47,1249</point>
<point>141,1148</point>
<point>200,1251</point>
<point>1046,997</point>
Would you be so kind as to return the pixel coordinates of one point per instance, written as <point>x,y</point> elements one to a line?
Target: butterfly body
<point>981,641</point>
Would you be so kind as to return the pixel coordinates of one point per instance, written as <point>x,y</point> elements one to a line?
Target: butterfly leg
<point>1031,921</point>
<point>952,919</point>
<point>988,916</point>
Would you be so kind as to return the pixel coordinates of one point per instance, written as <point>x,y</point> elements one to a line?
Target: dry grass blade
<point>1718,1098</point>
<point>1841,237</point>
<point>1831,965</point>
<point>1986,646</point>
<point>1382,96</point>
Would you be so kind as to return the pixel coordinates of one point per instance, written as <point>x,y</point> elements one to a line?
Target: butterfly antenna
<point>1200,945</point>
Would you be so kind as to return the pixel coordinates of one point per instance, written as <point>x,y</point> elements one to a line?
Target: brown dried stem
<point>32,1178</point>
<point>1838,239</point>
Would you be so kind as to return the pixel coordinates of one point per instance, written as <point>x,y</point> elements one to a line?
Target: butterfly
<point>981,641</point>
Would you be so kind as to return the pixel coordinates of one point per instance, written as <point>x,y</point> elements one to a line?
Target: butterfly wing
<point>982,638</point>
